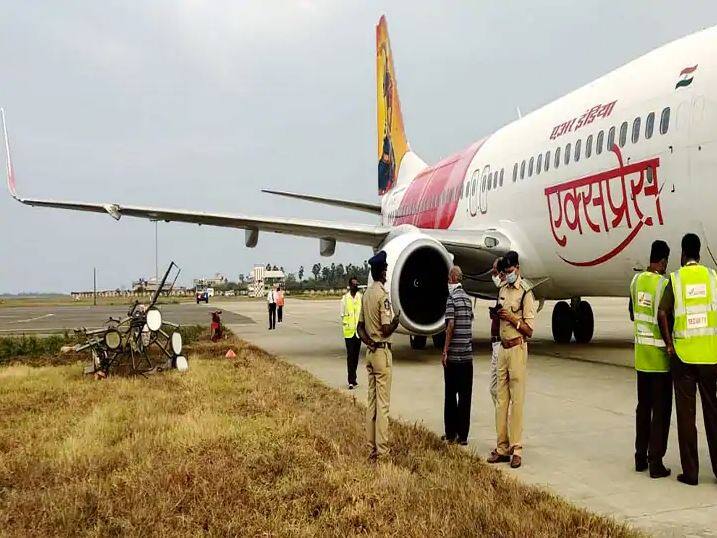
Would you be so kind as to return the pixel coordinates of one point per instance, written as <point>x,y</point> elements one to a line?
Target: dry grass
<point>252,446</point>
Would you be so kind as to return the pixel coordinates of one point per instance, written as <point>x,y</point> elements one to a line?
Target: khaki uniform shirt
<point>376,311</point>
<point>510,297</point>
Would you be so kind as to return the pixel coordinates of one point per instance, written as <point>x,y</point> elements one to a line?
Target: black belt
<point>494,339</point>
<point>386,345</point>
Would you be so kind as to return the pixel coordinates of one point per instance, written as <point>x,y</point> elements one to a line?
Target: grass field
<point>251,446</point>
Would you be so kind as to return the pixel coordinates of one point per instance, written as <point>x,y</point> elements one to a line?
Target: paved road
<point>44,319</point>
<point>579,414</point>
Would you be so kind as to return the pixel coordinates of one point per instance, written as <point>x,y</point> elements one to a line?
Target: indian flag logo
<point>686,77</point>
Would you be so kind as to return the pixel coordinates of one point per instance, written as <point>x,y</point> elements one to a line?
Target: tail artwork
<point>392,142</point>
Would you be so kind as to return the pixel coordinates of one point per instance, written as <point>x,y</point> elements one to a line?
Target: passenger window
<point>495,179</point>
<point>610,139</point>
<point>636,130</point>
<point>557,157</point>
<point>598,142</point>
<point>567,154</point>
<point>522,170</point>
<point>623,134</point>
<point>515,172</point>
<point>530,167</point>
<point>665,120</point>
<point>501,176</point>
<point>539,165</point>
<point>649,125</point>
<point>547,160</point>
<point>589,147</point>
<point>489,181</point>
<point>577,150</point>
<point>468,186</point>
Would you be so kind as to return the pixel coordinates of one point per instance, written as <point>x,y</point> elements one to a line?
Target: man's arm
<point>664,318</point>
<point>522,324</point>
<point>388,329</point>
<point>365,338</point>
<point>450,327</point>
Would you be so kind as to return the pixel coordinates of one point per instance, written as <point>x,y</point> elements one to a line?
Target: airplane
<point>579,187</point>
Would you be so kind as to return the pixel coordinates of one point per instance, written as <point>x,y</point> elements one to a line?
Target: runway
<point>50,319</point>
<point>579,425</point>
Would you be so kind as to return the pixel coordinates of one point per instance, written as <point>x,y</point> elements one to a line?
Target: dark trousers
<point>687,378</point>
<point>280,313</point>
<point>652,416</point>
<point>272,315</point>
<point>353,349</point>
<point>457,404</point>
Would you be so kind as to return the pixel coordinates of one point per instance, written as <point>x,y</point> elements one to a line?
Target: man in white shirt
<point>271,300</point>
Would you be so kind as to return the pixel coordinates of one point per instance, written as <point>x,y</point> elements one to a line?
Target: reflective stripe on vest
<point>351,311</point>
<point>695,330</point>
<point>646,291</point>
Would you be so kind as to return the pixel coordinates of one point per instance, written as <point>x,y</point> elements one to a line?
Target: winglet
<point>10,169</point>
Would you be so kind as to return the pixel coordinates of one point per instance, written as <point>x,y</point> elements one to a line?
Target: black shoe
<point>462,442</point>
<point>641,463</point>
<point>351,386</point>
<point>685,480</point>
<point>659,471</point>
<point>449,440</point>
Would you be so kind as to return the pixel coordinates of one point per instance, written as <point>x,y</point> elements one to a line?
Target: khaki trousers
<point>511,397</point>
<point>378,365</point>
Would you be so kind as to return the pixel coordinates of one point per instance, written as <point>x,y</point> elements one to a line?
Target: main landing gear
<point>571,319</point>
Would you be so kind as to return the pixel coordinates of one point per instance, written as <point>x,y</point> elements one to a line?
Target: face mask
<point>452,287</point>
<point>510,278</point>
<point>497,281</point>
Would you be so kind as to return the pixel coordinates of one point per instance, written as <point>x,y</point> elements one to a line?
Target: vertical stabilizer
<point>392,141</point>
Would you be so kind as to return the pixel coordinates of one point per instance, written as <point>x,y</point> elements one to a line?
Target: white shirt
<point>270,297</point>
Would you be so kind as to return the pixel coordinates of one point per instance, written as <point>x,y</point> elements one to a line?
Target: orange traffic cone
<point>230,354</point>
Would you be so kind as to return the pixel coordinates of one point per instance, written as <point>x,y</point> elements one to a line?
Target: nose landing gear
<point>571,319</point>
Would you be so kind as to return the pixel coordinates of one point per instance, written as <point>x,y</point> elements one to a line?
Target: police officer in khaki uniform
<point>517,317</point>
<point>376,325</point>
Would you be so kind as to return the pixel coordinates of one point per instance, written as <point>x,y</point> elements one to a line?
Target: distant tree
<point>326,274</point>
<point>301,273</point>
<point>340,274</point>
<point>316,270</point>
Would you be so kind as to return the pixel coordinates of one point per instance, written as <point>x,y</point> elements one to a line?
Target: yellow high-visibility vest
<point>646,290</point>
<point>350,310</point>
<point>695,330</point>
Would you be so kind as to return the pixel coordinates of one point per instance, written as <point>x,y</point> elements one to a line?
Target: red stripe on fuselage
<point>432,197</point>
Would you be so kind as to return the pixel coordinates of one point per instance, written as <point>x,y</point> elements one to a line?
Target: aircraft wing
<point>476,247</point>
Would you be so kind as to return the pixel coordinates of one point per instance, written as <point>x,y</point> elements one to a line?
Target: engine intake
<point>418,281</point>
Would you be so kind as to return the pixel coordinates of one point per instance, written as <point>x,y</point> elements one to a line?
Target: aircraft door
<point>473,195</point>
<point>483,198</point>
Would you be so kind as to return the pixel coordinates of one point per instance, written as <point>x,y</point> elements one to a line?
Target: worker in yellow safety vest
<point>654,381</point>
<point>350,311</point>
<point>688,325</point>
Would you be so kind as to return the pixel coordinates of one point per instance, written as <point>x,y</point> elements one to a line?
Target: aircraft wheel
<point>563,322</point>
<point>584,323</point>
<point>418,342</point>
<point>439,340</point>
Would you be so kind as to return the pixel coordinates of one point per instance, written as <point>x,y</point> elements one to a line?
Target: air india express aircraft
<point>580,188</point>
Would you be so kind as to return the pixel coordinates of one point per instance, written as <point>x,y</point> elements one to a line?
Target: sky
<point>200,104</point>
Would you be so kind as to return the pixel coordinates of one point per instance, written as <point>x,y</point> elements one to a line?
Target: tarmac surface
<point>579,422</point>
<point>49,319</point>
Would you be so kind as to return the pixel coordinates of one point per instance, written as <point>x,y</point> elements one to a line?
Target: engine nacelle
<point>417,281</point>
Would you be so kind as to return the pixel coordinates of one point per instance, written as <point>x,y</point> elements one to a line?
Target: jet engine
<point>417,281</point>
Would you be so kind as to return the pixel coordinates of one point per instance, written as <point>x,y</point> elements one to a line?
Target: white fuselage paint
<point>687,154</point>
